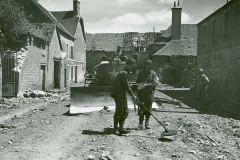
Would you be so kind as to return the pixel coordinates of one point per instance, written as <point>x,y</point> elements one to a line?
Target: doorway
<point>56,74</point>
<point>43,76</point>
<point>65,77</point>
<point>76,74</point>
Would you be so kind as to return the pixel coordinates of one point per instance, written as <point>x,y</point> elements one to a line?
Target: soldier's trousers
<point>143,111</point>
<point>203,96</point>
<point>121,111</point>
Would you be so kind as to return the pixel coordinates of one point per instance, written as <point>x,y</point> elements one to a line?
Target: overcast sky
<point>117,16</point>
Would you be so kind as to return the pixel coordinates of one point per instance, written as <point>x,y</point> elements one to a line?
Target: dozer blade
<point>93,98</point>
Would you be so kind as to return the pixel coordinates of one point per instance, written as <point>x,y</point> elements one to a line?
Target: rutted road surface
<point>49,133</point>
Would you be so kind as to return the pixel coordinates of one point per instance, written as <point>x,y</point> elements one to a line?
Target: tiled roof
<point>104,41</point>
<point>167,33</point>
<point>67,20</point>
<point>184,47</point>
<point>52,18</point>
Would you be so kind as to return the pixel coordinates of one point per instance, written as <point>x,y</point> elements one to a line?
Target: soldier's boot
<point>115,126</point>
<point>147,122</point>
<point>141,118</point>
<point>121,127</point>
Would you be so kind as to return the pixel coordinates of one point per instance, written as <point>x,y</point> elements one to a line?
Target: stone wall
<point>39,54</point>
<point>222,68</point>
<point>219,55</point>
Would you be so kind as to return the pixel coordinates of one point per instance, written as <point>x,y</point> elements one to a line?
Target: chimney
<point>76,8</point>
<point>176,22</point>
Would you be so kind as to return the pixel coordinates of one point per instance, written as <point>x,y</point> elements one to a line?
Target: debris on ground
<point>166,100</point>
<point>33,96</point>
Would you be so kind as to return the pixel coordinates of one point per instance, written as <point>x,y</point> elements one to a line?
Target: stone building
<point>54,55</point>
<point>176,52</point>
<point>101,45</point>
<point>219,48</point>
<point>109,45</point>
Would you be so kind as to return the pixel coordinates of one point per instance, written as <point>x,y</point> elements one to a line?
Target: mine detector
<point>95,95</point>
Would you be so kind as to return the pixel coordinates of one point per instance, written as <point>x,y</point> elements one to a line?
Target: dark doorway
<point>75,74</point>
<point>65,77</point>
<point>56,74</point>
<point>43,76</point>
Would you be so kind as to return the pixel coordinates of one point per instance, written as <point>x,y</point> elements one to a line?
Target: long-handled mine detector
<point>166,132</point>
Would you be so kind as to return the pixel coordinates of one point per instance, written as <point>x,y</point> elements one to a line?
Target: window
<point>72,73</point>
<point>213,29</point>
<point>239,22</point>
<point>71,57</point>
<point>226,21</point>
<point>190,60</point>
<point>204,33</point>
<point>168,59</point>
<point>239,16</point>
<point>67,48</point>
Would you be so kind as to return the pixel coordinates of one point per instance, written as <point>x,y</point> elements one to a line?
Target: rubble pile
<point>34,96</point>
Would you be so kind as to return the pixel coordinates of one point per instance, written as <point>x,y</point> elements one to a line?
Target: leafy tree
<point>13,24</point>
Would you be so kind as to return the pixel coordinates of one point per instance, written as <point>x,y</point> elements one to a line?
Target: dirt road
<point>48,133</point>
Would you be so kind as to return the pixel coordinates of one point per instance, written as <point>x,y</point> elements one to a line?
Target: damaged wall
<point>39,53</point>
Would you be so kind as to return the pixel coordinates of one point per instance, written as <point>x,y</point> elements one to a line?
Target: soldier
<point>146,91</point>
<point>121,88</point>
<point>203,84</point>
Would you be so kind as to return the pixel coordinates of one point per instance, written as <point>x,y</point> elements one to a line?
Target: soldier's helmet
<point>200,70</point>
<point>148,64</point>
<point>131,61</point>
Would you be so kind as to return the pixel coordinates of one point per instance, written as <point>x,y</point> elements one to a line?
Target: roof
<point>186,46</point>
<point>167,33</point>
<point>67,20</point>
<point>52,18</point>
<point>104,41</point>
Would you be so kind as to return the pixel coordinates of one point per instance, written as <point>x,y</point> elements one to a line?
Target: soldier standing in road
<point>121,88</point>
<point>150,80</point>
<point>203,84</point>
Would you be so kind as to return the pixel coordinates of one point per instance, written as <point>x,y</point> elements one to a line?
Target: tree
<point>13,24</point>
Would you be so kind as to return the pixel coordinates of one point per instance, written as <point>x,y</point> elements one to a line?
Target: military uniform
<point>203,84</point>
<point>146,93</point>
<point>122,87</point>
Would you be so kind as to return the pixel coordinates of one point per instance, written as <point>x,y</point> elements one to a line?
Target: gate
<point>9,76</point>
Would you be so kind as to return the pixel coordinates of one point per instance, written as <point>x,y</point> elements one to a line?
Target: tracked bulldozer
<point>96,95</point>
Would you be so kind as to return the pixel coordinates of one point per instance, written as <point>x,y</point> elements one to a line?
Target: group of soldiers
<point>147,81</point>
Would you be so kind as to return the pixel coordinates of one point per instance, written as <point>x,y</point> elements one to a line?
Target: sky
<point>118,16</point>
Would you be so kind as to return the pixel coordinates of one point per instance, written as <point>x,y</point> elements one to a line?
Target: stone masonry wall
<point>37,55</point>
<point>80,53</point>
<point>222,69</point>
<point>219,51</point>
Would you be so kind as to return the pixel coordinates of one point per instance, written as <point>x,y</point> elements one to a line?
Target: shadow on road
<point>225,107</point>
<point>165,139</point>
<point>77,114</point>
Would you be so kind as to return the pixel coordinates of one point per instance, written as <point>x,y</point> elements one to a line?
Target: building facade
<point>175,59</point>
<point>54,55</point>
<point>219,48</point>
